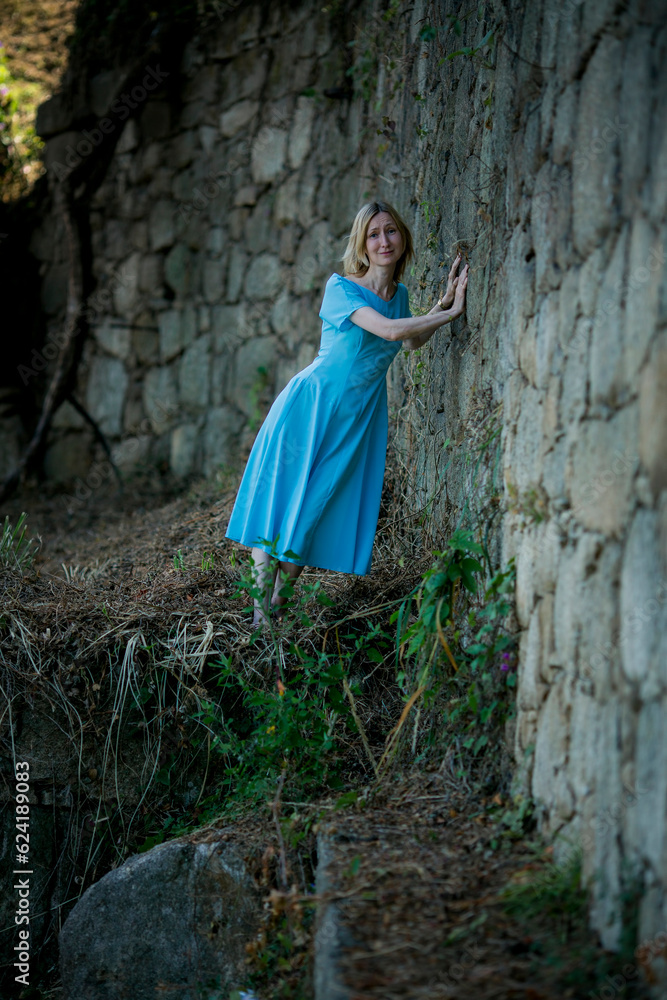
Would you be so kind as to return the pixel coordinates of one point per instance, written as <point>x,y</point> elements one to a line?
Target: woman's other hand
<point>459,303</point>
<point>452,278</point>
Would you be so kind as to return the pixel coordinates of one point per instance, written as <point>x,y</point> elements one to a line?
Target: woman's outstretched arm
<point>414,331</point>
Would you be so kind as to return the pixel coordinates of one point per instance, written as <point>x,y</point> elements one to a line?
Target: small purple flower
<point>4,91</point>
<point>506,658</point>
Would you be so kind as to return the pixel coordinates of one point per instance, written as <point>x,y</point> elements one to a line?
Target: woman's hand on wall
<point>415,331</point>
<point>459,303</point>
<point>452,278</point>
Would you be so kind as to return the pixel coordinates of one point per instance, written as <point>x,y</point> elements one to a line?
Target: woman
<point>310,494</point>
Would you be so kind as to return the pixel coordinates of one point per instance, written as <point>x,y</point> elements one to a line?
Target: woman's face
<point>384,243</point>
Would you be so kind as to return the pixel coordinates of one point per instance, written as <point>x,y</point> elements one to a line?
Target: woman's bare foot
<point>259,619</point>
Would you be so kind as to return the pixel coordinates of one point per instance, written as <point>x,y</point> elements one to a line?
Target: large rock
<point>608,376</point>
<point>195,374</point>
<point>332,936</point>
<point>604,463</point>
<point>643,606</point>
<point>12,437</point>
<point>268,154</point>
<point>183,449</point>
<point>160,397</point>
<point>653,416</point>
<point>125,283</point>
<point>114,338</point>
<point>237,117</point>
<point>264,277</point>
<point>53,116</point>
<point>169,923</point>
<point>170,325</point>
<point>315,258</point>
<point>161,225</point>
<point>177,268</point>
<point>595,165</point>
<point>228,326</point>
<point>105,396</point>
<point>244,76</point>
<point>299,138</point>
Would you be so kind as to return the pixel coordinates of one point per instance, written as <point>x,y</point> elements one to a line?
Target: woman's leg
<point>265,567</point>
<point>293,572</point>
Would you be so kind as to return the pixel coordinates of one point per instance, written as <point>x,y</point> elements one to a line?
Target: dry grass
<point>106,627</point>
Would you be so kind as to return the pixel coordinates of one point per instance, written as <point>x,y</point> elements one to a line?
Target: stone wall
<point>218,221</point>
<point>542,418</point>
<point>549,156</point>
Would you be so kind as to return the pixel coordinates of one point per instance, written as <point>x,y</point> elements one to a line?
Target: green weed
<point>550,890</point>
<point>472,50</point>
<point>16,551</point>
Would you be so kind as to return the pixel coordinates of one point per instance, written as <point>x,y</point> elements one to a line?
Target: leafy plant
<point>288,728</point>
<point>514,818</point>
<point>376,52</point>
<point>531,504</point>
<point>430,209</point>
<point>491,663</point>
<point>472,682</point>
<point>427,33</point>
<point>471,50</point>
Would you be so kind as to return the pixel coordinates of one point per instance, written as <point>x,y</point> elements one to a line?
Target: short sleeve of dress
<point>341,299</point>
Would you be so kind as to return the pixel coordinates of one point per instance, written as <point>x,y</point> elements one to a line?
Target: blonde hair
<point>355,259</point>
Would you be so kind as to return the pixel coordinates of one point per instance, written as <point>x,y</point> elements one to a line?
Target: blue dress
<point>314,475</point>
